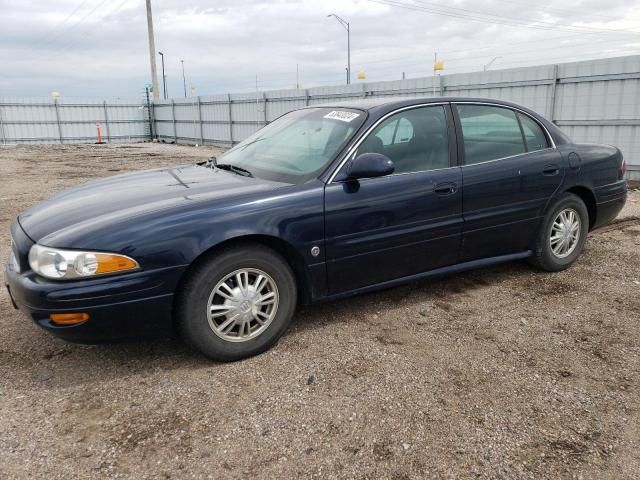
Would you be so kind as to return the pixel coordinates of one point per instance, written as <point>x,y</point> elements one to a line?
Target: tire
<point>200,307</point>
<point>552,259</point>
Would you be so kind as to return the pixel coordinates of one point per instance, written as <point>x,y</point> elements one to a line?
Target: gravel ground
<point>504,372</point>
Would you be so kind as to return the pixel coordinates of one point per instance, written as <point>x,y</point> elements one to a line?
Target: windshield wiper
<point>213,163</point>
<point>235,169</point>
<point>209,162</point>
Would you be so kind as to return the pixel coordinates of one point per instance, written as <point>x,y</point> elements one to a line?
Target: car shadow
<point>443,290</point>
<point>39,361</point>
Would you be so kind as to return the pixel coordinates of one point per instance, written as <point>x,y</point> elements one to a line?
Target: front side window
<point>489,133</point>
<point>415,140</point>
<point>398,130</point>
<point>297,146</point>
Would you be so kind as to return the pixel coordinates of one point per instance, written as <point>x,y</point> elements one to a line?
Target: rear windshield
<point>297,146</point>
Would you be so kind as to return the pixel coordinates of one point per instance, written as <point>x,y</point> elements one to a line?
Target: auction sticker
<point>342,116</point>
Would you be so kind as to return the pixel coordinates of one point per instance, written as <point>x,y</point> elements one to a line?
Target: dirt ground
<point>504,372</point>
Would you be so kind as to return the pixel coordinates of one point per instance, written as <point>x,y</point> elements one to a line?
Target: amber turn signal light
<point>68,318</point>
<point>114,263</point>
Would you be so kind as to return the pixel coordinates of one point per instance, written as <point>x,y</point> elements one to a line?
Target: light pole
<point>164,78</point>
<point>489,64</point>
<point>184,81</point>
<point>345,24</point>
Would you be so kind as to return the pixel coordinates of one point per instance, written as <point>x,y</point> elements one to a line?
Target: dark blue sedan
<point>323,203</point>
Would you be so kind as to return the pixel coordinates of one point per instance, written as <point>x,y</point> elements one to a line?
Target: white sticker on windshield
<point>342,116</point>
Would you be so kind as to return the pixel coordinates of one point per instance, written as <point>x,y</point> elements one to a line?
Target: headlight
<point>67,264</point>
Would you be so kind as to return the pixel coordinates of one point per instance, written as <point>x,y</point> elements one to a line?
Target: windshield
<point>297,146</point>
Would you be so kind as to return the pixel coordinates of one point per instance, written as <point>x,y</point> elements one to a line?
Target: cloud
<point>101,50</point>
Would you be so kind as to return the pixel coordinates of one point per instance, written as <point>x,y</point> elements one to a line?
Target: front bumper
<point>126,306</point>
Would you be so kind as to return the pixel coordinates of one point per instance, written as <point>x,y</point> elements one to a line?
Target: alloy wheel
<point>565,233</point>
<point>242,305</point>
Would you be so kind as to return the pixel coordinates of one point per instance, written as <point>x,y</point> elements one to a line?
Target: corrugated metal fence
<point>72,120</point>
<point>595,101</point>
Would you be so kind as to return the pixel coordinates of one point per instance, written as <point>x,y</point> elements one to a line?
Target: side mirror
<point>369,165</point>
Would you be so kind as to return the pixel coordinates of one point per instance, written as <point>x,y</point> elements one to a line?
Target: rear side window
<point>533,134</point>
<point>489,133</point>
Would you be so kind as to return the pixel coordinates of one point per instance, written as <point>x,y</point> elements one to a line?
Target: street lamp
<point>345,24</point>
<point>164,78</point>
<point>184,81</point>
<point>489,64</point>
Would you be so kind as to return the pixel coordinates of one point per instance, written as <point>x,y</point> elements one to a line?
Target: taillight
<point>623,168</point>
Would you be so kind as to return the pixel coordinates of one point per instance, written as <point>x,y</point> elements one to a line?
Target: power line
<point>493,19</point>
<point>56,27</point>
<point>514,19</point>
<point>73,41</point>
<point>71,27</point>
<point>554,9</point>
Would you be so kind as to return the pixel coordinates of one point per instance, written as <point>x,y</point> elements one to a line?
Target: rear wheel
<point>237,303</point>
<point>562,235</point>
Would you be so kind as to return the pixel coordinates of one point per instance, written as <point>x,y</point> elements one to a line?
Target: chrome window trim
<point>409,107</point>
<point>353,149</point>
<point>409,173</point>
<point>549,137</point>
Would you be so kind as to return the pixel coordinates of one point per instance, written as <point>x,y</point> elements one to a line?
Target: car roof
<point>392,102</point>
<point>379,106</point>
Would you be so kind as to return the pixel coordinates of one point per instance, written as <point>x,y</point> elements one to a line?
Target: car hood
<point>110,199</point>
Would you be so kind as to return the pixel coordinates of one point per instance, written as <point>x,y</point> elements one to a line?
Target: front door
<point>381,229</point>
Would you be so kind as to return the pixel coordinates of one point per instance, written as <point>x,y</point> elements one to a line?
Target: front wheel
<point>237,303</point>
<point>562,235</point>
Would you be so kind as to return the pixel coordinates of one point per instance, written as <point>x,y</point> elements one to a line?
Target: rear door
<point>381,229</point>
<point>509,172</point>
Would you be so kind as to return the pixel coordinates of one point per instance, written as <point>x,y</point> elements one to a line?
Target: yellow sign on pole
<point>362,75</point>
<point>439,65</point>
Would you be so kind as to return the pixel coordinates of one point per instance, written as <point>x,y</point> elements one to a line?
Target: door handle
<point>447,188</point>
<point>550,170</point>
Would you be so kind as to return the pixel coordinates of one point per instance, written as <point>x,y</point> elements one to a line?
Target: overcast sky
<point>99,47</point>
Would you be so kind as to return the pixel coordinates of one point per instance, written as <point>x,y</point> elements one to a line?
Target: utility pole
<point>184,81</point>
<point>164,77</point>
<point>297,77</point>
<point>152,52</point>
